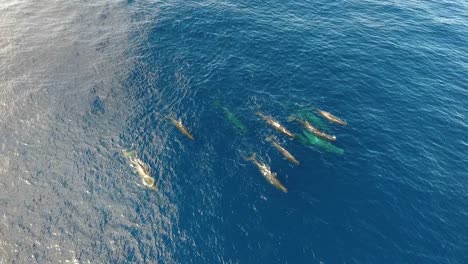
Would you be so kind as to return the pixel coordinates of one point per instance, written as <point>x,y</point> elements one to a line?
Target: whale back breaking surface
<point>178,124</point>
<point>332,118</point>
<point>282,150</point>
<point>276,125</point>
<point>270,176</point>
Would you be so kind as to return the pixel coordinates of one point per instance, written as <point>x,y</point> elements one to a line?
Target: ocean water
<point>82,80</point>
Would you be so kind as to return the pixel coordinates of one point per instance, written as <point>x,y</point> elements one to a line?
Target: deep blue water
<point>82,81</point>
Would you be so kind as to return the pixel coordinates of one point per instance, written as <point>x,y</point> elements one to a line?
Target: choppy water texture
<point>82,80</point>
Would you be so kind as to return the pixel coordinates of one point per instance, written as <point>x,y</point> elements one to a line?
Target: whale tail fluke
<point>270,138</point>
<point>315,108</point>
<point>292,118</point>
<point>170,115</point>
<point>130,153</point>
<point>252,157</point>
<point>217,103</point>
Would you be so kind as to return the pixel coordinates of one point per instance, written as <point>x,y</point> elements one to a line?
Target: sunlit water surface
<point>82,80</point>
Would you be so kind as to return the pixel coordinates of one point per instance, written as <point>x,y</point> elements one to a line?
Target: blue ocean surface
<point>82,81</point>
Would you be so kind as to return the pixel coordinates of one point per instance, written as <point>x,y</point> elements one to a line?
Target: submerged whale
<point>282,150</point>
<point>314,130</point>
<point>312,140</point>
<point>266,172</point>
<point>235,121</point>
<point>180,127</point>
<point>310,117</point>
<point>276,125</point>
